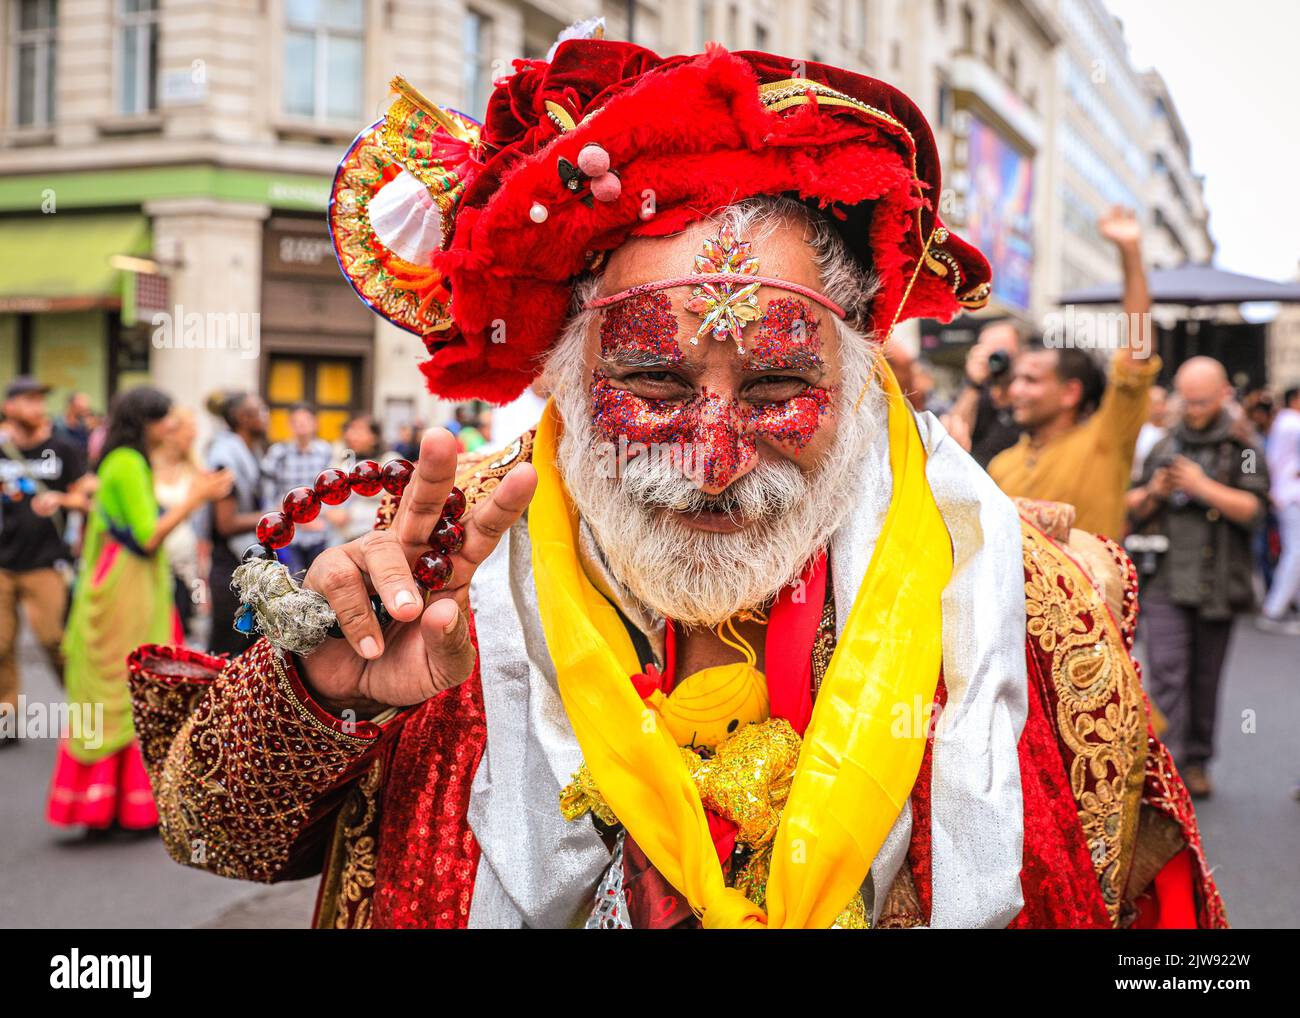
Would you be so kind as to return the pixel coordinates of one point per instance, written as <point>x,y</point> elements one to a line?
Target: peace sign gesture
<point>425,650</point>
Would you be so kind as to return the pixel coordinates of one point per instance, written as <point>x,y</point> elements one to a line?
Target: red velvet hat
<point>471,236</point>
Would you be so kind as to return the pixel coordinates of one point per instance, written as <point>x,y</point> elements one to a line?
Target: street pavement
<point>56,879</point>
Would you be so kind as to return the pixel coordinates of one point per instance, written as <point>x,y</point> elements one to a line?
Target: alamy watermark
<point>237,331</point>
<point>1098,330</point>
<point>686,458</point>
<point>35,720</point>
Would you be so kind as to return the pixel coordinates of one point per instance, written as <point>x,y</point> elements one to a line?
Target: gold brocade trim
<point>479,476</point>
<point>780,95</point>
<point>303,712</point>
<point>975,298</point>
<point>1100,715</point>
<point>824,642</point>
<point>788,92</point>
<point>941,263</point>
<point>348,887</point>
<point>560,117</point>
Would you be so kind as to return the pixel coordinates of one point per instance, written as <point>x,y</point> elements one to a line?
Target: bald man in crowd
<point>1203,488</point>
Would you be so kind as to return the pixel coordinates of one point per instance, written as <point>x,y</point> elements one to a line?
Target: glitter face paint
<point>723,432</point>
<point>640,331</point>
<point>788,338</point>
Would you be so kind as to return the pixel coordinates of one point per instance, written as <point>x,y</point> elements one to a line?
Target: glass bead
<point>275,530</point>
<point>454,507</point>
<point>448,536</point>
<point>396,475</point>
<point>244,620</point>
<point>432,570</point>
<point>302,505</point>
<point>257,551</point>
<point>366,478</point>
<point>332,486</point>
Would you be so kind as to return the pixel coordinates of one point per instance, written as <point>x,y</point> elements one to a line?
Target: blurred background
<point>164,172</point>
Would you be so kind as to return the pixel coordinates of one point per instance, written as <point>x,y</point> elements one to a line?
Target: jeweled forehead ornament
<point>725,293</point>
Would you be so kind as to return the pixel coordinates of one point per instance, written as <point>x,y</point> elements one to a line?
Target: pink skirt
<point>115,789</point>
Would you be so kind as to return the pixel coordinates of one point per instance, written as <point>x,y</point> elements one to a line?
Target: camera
<point>999,364</point>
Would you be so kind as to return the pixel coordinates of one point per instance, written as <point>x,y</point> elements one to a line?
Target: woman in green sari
<point>123,598</point>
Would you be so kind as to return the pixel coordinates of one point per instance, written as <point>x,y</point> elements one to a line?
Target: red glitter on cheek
<point>618,413</point>
<point>794,422</point>
<point>640,329</point>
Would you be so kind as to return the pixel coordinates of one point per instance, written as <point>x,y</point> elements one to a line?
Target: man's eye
<point>776,387</point>
<point>654,377</point>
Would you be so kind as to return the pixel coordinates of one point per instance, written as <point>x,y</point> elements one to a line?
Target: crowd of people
<point>1201,484</point>
<point>119,530</point>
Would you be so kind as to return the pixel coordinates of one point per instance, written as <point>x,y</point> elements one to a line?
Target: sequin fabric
<point>427,854</point>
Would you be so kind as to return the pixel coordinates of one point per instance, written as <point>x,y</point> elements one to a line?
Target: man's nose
<point>723,452</point>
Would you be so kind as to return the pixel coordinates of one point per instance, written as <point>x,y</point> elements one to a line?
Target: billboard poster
<point>998,206</point>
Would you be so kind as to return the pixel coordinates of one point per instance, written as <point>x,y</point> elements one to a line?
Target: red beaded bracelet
<point>432,570</point>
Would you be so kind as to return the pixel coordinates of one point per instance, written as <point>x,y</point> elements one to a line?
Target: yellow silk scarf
<point>853,775</point>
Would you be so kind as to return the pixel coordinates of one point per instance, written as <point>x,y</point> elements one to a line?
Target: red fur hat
<point>471,236</point>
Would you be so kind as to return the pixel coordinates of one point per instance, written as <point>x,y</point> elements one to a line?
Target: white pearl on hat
<point>538,213</point>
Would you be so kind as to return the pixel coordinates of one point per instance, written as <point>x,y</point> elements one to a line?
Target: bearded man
<point>735,638</point>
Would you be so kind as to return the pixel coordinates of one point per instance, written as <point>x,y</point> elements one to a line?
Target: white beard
<point>702,578</point>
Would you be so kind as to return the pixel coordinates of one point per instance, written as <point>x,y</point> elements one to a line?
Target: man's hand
<point>1187,477</point>
<point>977,364</point>
<point>1120,226</point>
<point>426,649</point>
<point>1162,483</point>
<point>47,503</point>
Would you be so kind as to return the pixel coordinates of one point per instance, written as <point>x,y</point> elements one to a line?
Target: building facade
<point>1179,231</point>
<point>165,164</point>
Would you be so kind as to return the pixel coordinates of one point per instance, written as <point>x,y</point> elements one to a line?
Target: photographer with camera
<point>981,418</point>
<point>1079,431</point>
<point>1203,490</point>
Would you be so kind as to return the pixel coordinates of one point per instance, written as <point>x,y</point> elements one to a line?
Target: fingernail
<point>403,598</point>
<point>452,624</point>
<point>369,647</point>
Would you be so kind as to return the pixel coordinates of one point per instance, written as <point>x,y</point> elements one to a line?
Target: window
<point>1013,69</point>
<point>991,45</point>
<point>967,30</point>
<point>323,48</point>
<point>760,36</point>
<point>137,74</point>
<point>703,23</point>
<point>476,71</point>
<point>32,50</point>
<point>862,17</point>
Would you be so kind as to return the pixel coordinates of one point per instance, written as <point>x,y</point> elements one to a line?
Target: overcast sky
<point>1233,70</point>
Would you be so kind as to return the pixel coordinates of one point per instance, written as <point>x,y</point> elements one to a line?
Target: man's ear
<point>1071,393</point>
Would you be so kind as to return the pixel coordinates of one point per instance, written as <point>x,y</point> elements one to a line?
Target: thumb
<point>448,645</point>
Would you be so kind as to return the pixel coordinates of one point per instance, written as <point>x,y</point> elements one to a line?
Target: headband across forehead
<point>726,288</point>
<point>702,280</point>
